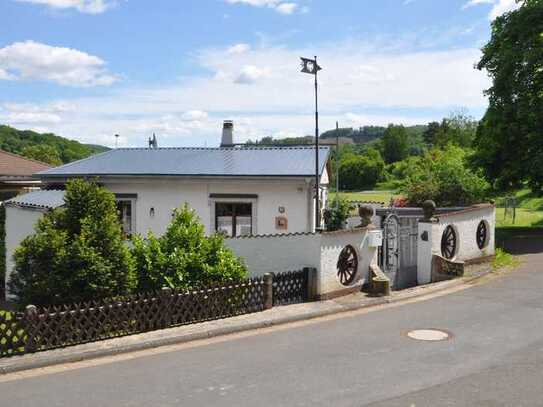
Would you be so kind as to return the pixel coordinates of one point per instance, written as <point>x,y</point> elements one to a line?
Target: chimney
<point>153,142</point>
<point>227,133</point>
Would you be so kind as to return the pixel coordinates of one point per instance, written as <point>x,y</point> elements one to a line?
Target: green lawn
<point>373,196</point>
<point>524,218</point>
<point>529,212</point>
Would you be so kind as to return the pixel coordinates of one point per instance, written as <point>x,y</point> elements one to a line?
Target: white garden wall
<point>331,246</point>
<point>279,253</point>
<point>465,223</point>
<point>20,223</point>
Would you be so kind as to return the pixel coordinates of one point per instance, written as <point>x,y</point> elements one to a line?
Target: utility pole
<point>337,162</point>
<point>311,67</point>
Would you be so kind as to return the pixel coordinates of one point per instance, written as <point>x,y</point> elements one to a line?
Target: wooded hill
<point>347,135</point>
<point>46,147</point>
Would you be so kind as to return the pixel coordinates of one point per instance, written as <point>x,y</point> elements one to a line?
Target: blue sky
<point>87,69</point>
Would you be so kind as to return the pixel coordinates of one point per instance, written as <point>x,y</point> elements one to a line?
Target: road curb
<point>212,329</point>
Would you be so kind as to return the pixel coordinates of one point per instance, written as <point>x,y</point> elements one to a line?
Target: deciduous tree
<point>510,137</point>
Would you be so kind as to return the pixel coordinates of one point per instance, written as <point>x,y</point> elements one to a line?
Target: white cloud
<point>195,115</point>
<point>250,74</point>
<point>286,8</point>
<point>499,7</point>
<point>393,82</point>
<point>83,6</point>
<point>407,2</point>
<point>238,48</point>
<point>283,7</point>
<point>32,115</point>
<point>65,66</point>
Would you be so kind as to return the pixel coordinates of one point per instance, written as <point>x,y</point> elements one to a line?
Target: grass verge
<point>504,260</point>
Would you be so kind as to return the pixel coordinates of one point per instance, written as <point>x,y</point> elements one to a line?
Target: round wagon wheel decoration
<point>448,242</point>
<point>482,234</point>
<point>347,265</point>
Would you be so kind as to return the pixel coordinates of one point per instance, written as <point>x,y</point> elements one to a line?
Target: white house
<point>238,190</point>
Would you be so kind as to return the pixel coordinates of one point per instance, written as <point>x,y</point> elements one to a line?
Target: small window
<point>234,219</point>
<point>125,210</point>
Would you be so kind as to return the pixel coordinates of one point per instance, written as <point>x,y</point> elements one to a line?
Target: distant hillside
<point>309,140</point>
<point>45,147</point>
<point>362,135</point>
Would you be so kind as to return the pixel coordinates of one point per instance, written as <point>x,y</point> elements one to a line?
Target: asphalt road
<point>494,359</point>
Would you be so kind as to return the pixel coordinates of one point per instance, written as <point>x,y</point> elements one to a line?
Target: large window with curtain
<point>234,218</point>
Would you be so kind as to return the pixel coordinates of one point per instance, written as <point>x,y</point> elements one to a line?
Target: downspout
<point>310,217</point>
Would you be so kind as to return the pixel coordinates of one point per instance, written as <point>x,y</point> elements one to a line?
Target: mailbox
<point>375,238</point>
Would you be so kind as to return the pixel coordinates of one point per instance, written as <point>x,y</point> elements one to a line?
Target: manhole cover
<point>429,335</point>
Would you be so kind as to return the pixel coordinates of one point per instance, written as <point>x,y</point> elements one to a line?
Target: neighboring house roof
<point>13,165</point>
<point>44,199</point>
<point>216,162</point>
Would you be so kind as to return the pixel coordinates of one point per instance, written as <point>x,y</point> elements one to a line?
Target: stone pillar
<point>268,291</point>
<point>424,252</point>
<point>425,243</point>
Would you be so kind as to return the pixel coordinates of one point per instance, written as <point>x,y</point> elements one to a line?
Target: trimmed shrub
<point>77,252</point>
<point>184,257</point>
<point>336,214</point>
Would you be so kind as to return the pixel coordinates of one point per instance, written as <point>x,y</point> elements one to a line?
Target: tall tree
<point>509,139</point>
<point>395,144</point>
<point>361,171</point>
<point>431,133</point>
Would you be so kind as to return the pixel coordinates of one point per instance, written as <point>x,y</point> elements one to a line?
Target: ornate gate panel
<point>391,248</point>
<point>399,253</point>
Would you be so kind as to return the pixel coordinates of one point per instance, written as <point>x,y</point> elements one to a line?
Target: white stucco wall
<point>465,224</point>
<point>294,195</point>
<point>279,253</point>
<point>331,246</point>
<point>20,223</point>
<point>273,254</point>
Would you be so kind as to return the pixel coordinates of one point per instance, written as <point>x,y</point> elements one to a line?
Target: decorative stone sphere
<point>365,212</point>
<point>429,209</point>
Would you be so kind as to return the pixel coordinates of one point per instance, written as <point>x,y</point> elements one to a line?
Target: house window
<point>234,218</point>
<point>125,210</point>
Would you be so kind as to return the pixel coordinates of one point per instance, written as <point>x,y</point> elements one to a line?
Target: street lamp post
<point>311,67</point>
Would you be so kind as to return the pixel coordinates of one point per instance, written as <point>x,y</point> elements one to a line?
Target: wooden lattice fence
<point>290,287</point>
<point>43,328</point>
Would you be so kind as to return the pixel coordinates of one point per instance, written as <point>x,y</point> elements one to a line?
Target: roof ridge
<point>237,148</point>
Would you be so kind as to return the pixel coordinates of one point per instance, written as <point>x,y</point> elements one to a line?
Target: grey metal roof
<point>220,162</point>
<point>38,199</point>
